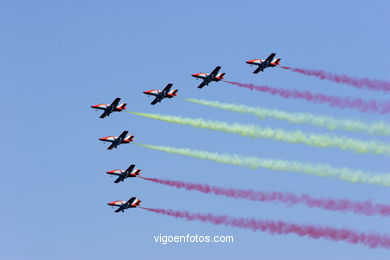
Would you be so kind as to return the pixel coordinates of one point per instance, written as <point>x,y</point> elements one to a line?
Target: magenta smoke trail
<point>282,228</point>
<point>357,103</point>
<point>371,84</point>
<point>343,205</point>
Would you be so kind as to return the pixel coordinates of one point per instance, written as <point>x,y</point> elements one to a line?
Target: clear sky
<point>60,57</point>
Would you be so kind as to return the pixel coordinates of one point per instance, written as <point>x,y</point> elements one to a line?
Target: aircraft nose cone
<point>194,75</point>
<point>248,61</point>
<point>101,139</point>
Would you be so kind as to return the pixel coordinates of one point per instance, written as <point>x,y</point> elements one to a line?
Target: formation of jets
<point>159,95</point>
<point>206,78</point>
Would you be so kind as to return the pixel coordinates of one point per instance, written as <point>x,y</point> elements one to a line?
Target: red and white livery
<point>116,141</point>
<point>108,109</point>
<point>271,61</point>
<point>123,174</point>
<point>207,78</point>
<point>123,205</point>
<point>161,94</point>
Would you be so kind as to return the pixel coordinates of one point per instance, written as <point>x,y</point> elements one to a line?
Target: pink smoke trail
<point>343,205</point>
<point>371,84</point>
<point>281,228</point>
<point>357,103</point>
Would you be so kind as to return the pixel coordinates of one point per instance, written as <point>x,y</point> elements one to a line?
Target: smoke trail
<point>321,170</point>
<point>344,205</point>
<point>357,103</point>
<point>279,227</point>
<point>371,84</point>
<point>331,123</point>
<point>317,140</point>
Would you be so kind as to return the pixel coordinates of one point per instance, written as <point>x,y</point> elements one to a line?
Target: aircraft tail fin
<point>137,172</point>
<point>137,202</point>
<point>222,75</point>
<point>277,61</point>
<point>123,106</point>
<point>130,138</point>
<point>174,92</point>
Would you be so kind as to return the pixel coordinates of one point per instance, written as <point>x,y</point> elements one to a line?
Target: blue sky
<point>60,57</point>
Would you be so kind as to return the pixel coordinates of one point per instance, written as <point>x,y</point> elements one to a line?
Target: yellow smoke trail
<point>331,123</point>
<point>317,140</point>
<point>321,170</point>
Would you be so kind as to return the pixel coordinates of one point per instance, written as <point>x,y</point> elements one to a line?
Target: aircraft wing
<point>155,101</point>
<point>123,135</point>
<point>119,179</point>
<point>270,57</point>
<point>130,169</point>
<point>258,70</point>
<point>131,200</point>
<point>115,103</point>
<point>201,85</point>
<point>105,113</point>
<point>118,210</point>
<point>111,146</point>
<point>167,88</point>
<point>215,71</point>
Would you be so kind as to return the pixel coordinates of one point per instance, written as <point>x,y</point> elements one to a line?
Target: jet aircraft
<point>262,64</point>
<point>207,78</point>
<point>123,205</point>
<point>160,95</point>
<point>108,109</point>
<point>122,175</point>
<point>116,141</point>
